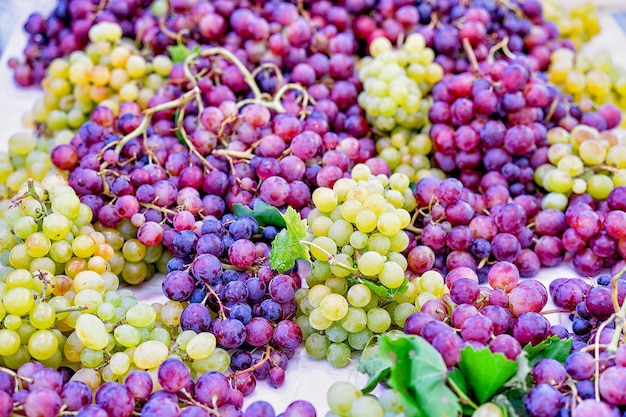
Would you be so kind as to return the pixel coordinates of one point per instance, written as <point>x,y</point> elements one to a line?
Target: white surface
<point>305,378</point>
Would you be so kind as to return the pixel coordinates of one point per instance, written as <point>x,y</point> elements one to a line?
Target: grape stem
<point>503,45</point>
<point>217,298</point>
<point>16,376</point>
<point>70,309</point>
<point>331,257</point>
<point>471,56</point>
<point>190,145</point>
<point>266,357</point>
<point>163,210</point>
<point>597,348</point>
<point>179,102</point>
<point>462,396</point>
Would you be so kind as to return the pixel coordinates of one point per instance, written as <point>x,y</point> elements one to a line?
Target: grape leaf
<point>401,289</point>
<point>263,213</point>
<point>419,375</point>
<point>377,367</point>
<point>287,246</point>
<point>375,288</point>
<point>179,52</point>
<point>552,347</point>
<point>512,402</point>
<point>485,371</point>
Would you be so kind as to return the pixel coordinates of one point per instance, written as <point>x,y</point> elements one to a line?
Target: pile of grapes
<point>375,183</point>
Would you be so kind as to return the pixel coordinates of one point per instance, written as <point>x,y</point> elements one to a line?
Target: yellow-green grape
<point>333,307</point>
<point>371,263</point>
<point>201,346</point>
<point>578,23</point>
<point>395,80</point>
<point>150,354</point>
<point>42,345</point>
<point>91,332</point>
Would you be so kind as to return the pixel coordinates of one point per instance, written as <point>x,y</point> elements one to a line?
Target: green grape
<point>42,316</point>
<point>366,406</point>
<point>341,266</point>
<point>127,335</point>
<point>336,333</point>
<point>338,354</point>
<point>316,345</point>
<point>341,395</point>
<point>89,298</point>
<point>366,221</point>
<point>91,358</point>
<point>359,295</point>
<point>24,227</point>
<point>379,243</point>
<point>141,315</point>
<point>401,312</point>
<point>371,263</point>
<point>201,346</point>
<point>554,201</point>
<point>91,332</point>
<point>150,354</point>
<point>18,301</point>
<point>324,199</point>
<point>318,320</point>
<point>599,186</point>
<point>378,320</point>
<point>42,345</point>
<point>10,342</point>
<point>119,363</point>
<point>392,275</point>
<point>218,361</point>
<point>340,232</point>
<point>337,285</point>
<point>359,340</point>
<point>355,320</point>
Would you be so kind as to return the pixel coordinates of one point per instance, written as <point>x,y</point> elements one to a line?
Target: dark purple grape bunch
<point>225,273</point>
<point>479,30</point>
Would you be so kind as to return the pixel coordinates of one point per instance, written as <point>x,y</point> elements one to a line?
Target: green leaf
<point>377,367</point>
<point>457,377</point>
<point>552,347</point>
<point>179,52</point>
<point>287,246</point>
<point>419,375</point>
<point>263,213</point>
<point>377,289</point>
<point>485,371</point>
<point>522,376</point>
<point>512,402</point>
<point>401,289</point>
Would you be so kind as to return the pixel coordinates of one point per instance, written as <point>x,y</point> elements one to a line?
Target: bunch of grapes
<point>357,243</point>
<point>583,161</point>
<point>407,152</point>
<point>66,30</point>
<point>396,82</point>
<point>505,316</point>
<point>61,300</point>
<point>38,390</point>
<point>578,24</point>
<point>107,72</point>
<point>591,80</point>
<point>227,288</point>
<point>27,157</point>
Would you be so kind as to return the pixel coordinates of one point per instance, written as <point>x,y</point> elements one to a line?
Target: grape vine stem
<point>266,357</point>
<point>331,257</point>
<point>462,396</point>
<point>148,113</point>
